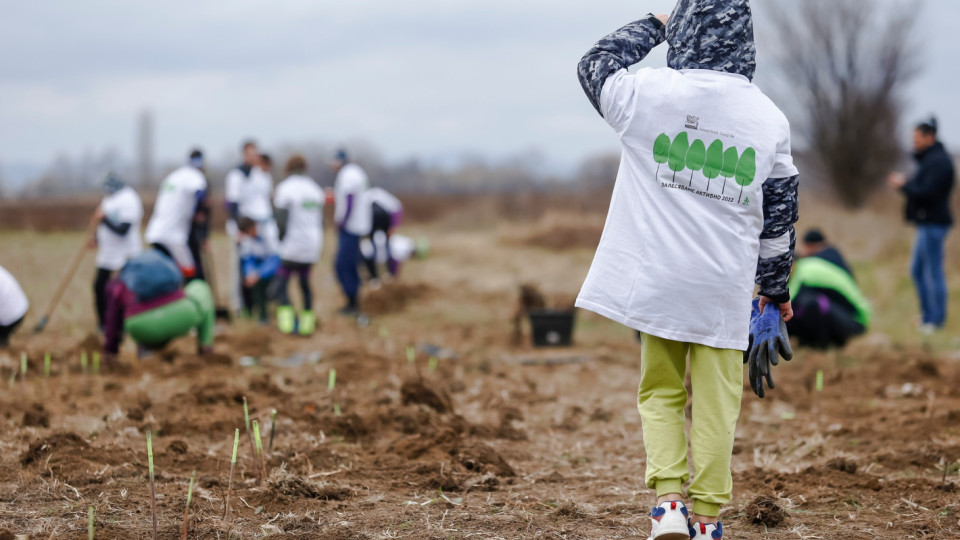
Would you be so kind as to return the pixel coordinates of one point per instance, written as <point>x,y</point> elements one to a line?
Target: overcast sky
<point>430,78</point>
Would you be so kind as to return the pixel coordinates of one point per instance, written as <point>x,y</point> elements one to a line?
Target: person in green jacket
<point>828,306</point>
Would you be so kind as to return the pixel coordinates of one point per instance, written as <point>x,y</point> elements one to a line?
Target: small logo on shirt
<point>693,122</point>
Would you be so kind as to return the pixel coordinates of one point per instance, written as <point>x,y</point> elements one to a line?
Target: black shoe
<point>349,310</point>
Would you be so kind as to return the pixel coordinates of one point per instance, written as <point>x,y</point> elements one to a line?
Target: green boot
<point>308,323</point>
<point>286,319</point>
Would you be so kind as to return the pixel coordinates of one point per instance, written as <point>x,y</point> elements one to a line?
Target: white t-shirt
<point>124,206</point>
<point>385,199</point>
<point>353,181</point>
<point>13,303</point>
<point>251,193</point>
<point>401,247</point>
<point>175,206</point>
<point>303,199</point>
<point>679,250</point>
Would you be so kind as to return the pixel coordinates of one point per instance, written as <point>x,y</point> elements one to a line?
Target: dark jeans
<point>927,271</point>
<point>821,320</point>
<point>346,265</point>
<point>100,294</point>
<point>287,270</point>
<point>6,330</point>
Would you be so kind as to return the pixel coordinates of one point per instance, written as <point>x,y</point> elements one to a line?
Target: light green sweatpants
<point>717,384</point>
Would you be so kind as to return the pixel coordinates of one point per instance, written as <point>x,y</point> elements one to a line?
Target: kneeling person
<point>148,302</point>
<point>829,307</point>
<point>258,264</point>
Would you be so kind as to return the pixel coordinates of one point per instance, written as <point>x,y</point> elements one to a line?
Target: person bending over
<point>149,302</point>
<point>182,195</point>
<point>828,306</point>
<point>387,213</point>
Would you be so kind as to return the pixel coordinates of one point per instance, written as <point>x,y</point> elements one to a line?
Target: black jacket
<point>928,192</point>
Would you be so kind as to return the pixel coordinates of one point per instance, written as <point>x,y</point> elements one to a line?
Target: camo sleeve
<point>778,239</point>
<point>620,50</point>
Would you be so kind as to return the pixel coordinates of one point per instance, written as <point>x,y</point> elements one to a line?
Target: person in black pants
<point>382,222</point>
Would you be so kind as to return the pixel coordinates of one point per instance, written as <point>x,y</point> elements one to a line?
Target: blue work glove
<point>768,342</point>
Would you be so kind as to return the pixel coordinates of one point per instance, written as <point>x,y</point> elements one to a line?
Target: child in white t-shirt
<point>704,204</point>
<point>299,205</point>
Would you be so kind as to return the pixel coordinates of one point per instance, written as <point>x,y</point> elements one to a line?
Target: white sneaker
<point>668,521</point>
<point>706,531</point>
<point>927,329</point>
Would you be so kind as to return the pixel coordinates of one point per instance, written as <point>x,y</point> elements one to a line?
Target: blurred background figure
<point>352,214</point>
<point>13,306</point>
<point>258,263</point>
<point>248,190</point>
<point>815,245</point>
<point>387,213</point>
<point>928,208</point>
<point>149,302</point>
<point>299,213</point>
<point>828,306</point>
<point>181,198</point>
<point>118,235</point>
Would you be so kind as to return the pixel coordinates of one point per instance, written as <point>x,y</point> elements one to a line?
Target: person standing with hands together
<point>928,207</point>
<point>703,207</point>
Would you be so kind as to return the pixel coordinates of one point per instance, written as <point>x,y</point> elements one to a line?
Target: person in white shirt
<point>387,213</point>
<point>182,196</point>
<point>703,207</point>
<point>248,191</point>
<point>299,205</point>
<point>118,235</point>
<point>352,214</point>
<point>13,306</point>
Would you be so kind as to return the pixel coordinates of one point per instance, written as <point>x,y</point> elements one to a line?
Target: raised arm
<point>620,50</point>
<point>778,239</point>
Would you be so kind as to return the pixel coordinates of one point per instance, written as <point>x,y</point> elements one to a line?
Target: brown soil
<point>499,441</point>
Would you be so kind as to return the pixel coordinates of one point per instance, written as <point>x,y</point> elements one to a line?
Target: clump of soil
<point>415,392</point>
<point>301,488</point>
<point>843,464</point>
<point>6,535</point>
<point>394,298</point>
<point>178,447</point>
<point>480,457</point>
<point>57,443</point>
<point>36,416</point>
<point>765,511</point>
<point>90,343</point>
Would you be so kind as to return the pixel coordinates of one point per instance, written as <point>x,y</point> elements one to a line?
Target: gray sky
<point>431,78</point>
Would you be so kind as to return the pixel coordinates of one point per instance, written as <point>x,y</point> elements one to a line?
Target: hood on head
<point>712,34</point>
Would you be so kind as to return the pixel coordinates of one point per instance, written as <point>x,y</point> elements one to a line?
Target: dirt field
<point>501,441</point>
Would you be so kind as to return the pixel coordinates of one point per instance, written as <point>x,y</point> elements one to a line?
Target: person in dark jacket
<point>928,207</point>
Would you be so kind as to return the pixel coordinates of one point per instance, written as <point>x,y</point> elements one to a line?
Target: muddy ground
<point>500,441</point>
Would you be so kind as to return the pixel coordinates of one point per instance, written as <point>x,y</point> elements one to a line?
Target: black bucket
<point>551,328</point>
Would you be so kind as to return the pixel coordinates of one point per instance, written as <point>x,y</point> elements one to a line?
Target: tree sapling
<point>273,427</point>
<point>233,465</point>
<point>186,510</point>
<point>153,488</point>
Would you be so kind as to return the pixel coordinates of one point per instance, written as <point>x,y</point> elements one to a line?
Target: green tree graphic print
<point>729,169</point>
<point>678,154</point>
<point>746,170</point>
<point>714,161</point>
<point>711,169</point>
<point>661,150</point>
<point>696,158</point>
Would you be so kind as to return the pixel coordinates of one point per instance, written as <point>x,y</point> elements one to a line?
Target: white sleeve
<point>281,198</point>
<point>783,167</point>
<point>232,187</point>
